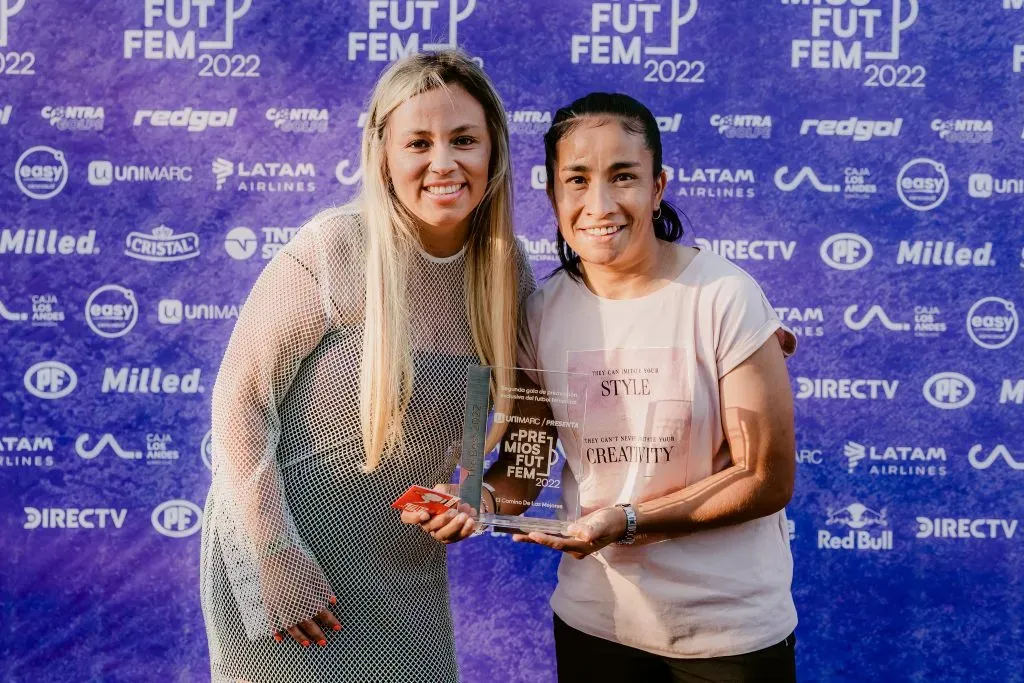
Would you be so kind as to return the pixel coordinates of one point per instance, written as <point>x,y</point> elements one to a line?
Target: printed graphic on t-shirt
<point>637,423</point>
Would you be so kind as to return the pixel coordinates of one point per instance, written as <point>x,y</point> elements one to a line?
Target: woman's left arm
<point>757,417</point>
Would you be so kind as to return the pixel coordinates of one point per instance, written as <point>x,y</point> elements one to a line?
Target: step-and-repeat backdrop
<point>860,158</point>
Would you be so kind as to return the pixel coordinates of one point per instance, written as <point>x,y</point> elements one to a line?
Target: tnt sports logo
<point>983,186</point>
<point>922,184</point>
<point>964,131</point>
<point>846,251</point>
<point>111,311</point>
<point>41,172</point>
<point>210,27</point>
<point>860,520</point>
<point>177,518</point>
<point>105,441</point>
<point>396,28</point>
<point>949,390</point>
<point>206,450</point>
<point>192,120</point>
<point>241,243</point>
<point>992,323</point>
<point>845,37</point>
<point>631,33</point>
<point>745,126</point>
<point>73,117</point>
<point>162,246</point>
<point>50,380</point>
<point>982,461</point>
<point>856,129</point>
<point>294,120</point>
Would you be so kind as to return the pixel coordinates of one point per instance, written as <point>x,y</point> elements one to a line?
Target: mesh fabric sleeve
<point>274,579</point>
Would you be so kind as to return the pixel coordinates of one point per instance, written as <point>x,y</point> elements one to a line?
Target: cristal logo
<point>206,450</point>
<point>41,172</point>
<point>295,120</point>
<point>105,441</point>
<point>111,311</point>
<point>162,245</point>
<point>922,184</point>
<point>949,390</point>
<point>846,251</point>
<point>859,389</point>
<point>192,120</point>
<point>389,19</point>
<point>857,129</point>
<point>74,117</point>
<point>875,312</point>
<point>983,462</point>
<point>177,518</point>
<point>624,22</point>
<point>240,243</point>
<point>50,380</point>
<point>73,518</point>
<point>992,322</point>
<point>942,527</point>
<point>805,173</point>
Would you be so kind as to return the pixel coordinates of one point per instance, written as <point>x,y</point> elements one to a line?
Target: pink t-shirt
<point>653,425</point>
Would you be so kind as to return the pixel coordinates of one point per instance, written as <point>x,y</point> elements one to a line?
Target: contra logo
<point>299,120</point>
<point>743,126</point>
<point>867,529</point>
<point>964,131</point>
<point>73,117</point>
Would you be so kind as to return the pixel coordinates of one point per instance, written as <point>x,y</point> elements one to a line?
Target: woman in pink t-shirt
<point>680,569</point>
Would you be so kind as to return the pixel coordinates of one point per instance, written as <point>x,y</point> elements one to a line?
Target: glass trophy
<point>513,426</point>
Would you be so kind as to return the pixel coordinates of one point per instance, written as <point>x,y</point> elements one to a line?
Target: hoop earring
<point>657,214</point>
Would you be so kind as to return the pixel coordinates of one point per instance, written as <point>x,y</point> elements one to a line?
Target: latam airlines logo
<point>713,183</point>
<point>803,322</point>
<point>862,523</point>
<point>177,518</point>
<point>949,390</point>
<point>398,29</point>
<point>964,131</point>
<point>896,460</point>
<point>858,389</point>
<point>162,245</point>
<point>299,120</point>
<point>982,460</point>
<point>50,379</point>
<point>41,172</point>
<point>73,117</point>
<point>268,176</point>
<point>846,251</point>
<point>992,322</point>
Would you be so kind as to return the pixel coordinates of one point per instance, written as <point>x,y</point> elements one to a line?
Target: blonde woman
<point>343,383</point>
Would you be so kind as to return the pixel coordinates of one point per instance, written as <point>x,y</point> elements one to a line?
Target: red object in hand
<point>420,498</point>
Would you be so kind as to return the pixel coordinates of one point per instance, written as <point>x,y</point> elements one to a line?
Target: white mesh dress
<point>291,517</point>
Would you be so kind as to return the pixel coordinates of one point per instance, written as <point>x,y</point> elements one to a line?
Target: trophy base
<point>514,523</point>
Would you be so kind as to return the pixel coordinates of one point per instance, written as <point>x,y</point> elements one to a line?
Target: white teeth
<point>608,230</point>
<point>444,189</point>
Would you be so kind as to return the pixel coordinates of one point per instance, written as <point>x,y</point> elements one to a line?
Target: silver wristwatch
<point>630,535</point>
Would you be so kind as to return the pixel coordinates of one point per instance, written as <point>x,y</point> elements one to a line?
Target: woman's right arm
<point>275,580</point>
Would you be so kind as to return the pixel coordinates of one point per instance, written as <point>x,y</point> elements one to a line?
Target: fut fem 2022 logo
<point>398,28</point>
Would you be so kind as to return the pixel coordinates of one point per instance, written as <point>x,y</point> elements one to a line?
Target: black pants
<point>586,659</point>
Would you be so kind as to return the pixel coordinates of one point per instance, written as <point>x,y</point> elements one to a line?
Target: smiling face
<point>605,193</point>
<point>438,157</point>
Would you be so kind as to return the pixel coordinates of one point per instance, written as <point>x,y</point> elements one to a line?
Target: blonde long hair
<point>386,375</point>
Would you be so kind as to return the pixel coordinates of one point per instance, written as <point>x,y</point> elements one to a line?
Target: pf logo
<point>177,518</point>
<point>50,380</point>
<point>949,390</point>
<point>846,251</point>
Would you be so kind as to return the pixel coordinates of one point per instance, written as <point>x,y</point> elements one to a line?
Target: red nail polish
<point>322,642</point>
<point>333,600</point>
<point>277,637</point>
<point>305,643</point>
<point>337,627</point>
